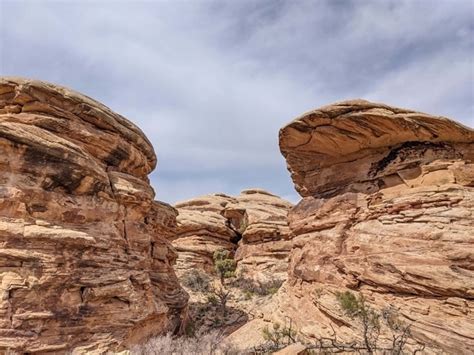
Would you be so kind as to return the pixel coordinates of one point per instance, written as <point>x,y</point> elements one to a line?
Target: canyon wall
<point>85,263</point>
<point>252,225</point>
<point>87,254</point>
<point>387,211</point>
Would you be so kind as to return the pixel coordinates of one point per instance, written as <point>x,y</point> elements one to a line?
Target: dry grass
<point>209,344</point>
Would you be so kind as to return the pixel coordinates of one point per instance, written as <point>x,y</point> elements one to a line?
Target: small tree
<point>222,296</point>
<point>357,308</point>
<point>225,267</point>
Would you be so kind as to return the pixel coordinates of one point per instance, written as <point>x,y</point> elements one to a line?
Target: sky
<point>212,82</point>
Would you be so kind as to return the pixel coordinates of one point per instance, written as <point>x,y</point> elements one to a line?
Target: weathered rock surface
<point>388,211</point>
<point>202,229</point>
<point>263,252</point>
<point>253,225</point>
<point>345,147</point>
<point>85,262</point>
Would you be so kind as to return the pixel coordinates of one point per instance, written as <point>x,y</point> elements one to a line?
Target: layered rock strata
<point>388,211</point>
<point>252,225</point>
<point>85,263</point>
<point>262,253</point>
<point>202,229</point>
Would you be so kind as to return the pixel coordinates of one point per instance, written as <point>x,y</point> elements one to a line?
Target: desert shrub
<point>212,344</point>
<point>196,280</point>
<point>251,287</point>
<point>248,294</point>
<point>221,295</point>
<point>369,321</point>
<point>356,307</point>
<point>349,303</point>
<point>271,287</point>
<point>212,299</point>
<point>278,336</point>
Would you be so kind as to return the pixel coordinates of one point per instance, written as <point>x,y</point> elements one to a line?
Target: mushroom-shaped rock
<point>85,264</point>
<point>353,145</point>
<point>387,212</point>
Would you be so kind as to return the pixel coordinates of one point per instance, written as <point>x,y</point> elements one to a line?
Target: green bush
<point>224,264</point>
<point>248,294</point>
<point>349,303</point>
<point>212,299</point>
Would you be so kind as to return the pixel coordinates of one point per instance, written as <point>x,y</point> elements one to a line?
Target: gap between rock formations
<point>90,261</point>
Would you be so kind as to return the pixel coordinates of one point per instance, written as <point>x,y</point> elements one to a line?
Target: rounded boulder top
<point>54,108</point>
<point>350,130</point>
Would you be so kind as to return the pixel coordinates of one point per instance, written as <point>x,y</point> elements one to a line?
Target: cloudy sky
<point>211,82</point>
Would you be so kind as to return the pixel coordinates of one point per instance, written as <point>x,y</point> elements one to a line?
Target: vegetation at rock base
<point>224,266</point>
<point>349,302</point>
<point>209,344</point>
<point>260,288</point>
<point>278,335</point>
<point>356,307</point>
<point>196,280</point>
<point>370,323</point>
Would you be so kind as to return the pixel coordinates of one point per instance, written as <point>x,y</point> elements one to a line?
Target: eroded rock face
<point>359,146</point>
<point>263,251</point>
<point>388,210</point>
<point>85,263</point>
<point>253,225</point>
<point>202,229</point>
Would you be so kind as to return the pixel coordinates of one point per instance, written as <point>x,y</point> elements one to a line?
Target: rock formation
<point>85,262</point>
<point>252,225</point>
<point>263,251</point>
<point>388,211</point>
<point>202,229</point>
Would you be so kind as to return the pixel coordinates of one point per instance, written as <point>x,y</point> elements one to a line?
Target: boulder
<point>388,212</point>
<point>85,263</point>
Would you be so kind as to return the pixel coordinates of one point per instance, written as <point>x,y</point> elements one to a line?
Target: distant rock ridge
<point>253,225</point>
<point>388,211</point>
<point>85,263</point>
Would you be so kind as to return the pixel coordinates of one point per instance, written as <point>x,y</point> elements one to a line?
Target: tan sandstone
<point>253,225</point>
<point>388,211</point>
<point>85,263</point>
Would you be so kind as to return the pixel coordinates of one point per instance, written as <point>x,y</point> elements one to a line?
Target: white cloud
<point>211,82</point>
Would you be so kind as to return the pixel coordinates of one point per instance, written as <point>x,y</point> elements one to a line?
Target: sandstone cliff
<point>263,251</point>
<point>85,262</point>
<point>253,225</point>
<point>388,211</point>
